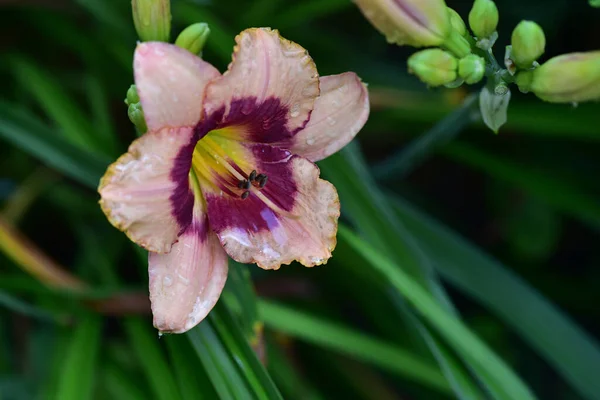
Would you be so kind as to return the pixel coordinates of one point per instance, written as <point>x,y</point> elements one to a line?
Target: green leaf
<point>217,363</point>
<point>151,359</point>
<point>467,344</point>
<point>18,306</point>
<point>25,131</point>
<point>570,350</point>
<point>239,288</point>
<point>119,385</point>
<point>408,158</point>
<point>289,379</point>
<point>366,206</point>
<point>239,349</point>
<point>562,195</point>
<point>79,364</point>
<point>333,336</point>
<point>57,104</point>
<point>193,381</point>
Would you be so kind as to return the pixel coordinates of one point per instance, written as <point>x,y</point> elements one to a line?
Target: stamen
<point>252,175</point>
<point>245,195</point>
<point>263,181</point>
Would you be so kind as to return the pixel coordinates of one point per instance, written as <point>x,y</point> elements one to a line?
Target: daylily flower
<point>227,167</point>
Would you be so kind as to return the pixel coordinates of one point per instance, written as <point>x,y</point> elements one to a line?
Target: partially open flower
<point>567,78</point>
<point>227,167</point>
<point>415,23</point>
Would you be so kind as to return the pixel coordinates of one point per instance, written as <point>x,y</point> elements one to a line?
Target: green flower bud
<point>471,68</point>
<point>568,78</point>
<point>132,96</point>
<point>435,67</point>
<point>483,18</point>
<point>193,38</point>
<point>457,23</point>
<point>528,43</point>
<point>136,116</point>
<point>152,19</point>
<point>415,23</point>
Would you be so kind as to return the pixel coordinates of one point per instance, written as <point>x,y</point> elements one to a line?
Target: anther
<point>263,181</point>
<point>241,184</point>
<point>259,177</point>
<point>252,175</point>
<point>246,185</point>
<point>245,195</point>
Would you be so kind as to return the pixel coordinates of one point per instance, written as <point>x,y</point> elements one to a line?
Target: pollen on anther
<point>263,181</point>
<point>241,184</point>
<point>252,175</point>
<point>246,185</point>
<point>245,195</point>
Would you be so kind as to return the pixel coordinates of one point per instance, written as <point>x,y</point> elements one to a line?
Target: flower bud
<point>193,38</point>
<point>435,67</point>
<point>415,23</point>
<point>483,18</point>
<point>152,19</point>
<point>568,78</point>
<point>528,43</point>
<point>132,96</point>
<point>457,23</point>
<point>136,116</point>
<point>471,68</point>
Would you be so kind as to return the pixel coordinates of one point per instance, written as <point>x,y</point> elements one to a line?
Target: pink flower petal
<point>146,192</point>
<point>170,83</point>
<point>186,283</point>
<point>269,89</point>
<point>293,217</point>
<point>340,112</point>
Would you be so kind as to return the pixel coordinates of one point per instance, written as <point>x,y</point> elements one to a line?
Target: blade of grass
<point>102,121</point>
<point>79,366</point>
<point>324,333</point>
<point>25,131</point>
<point>193,381</point>
<point>366,206</point>
<point>398,165</point>
<point>119,386</point>
<point>240,350</point>
<point>290,380</point>
<point>447,325</point>
<point>151,359</point>
<point>217,363</point>
<point>56,103</point>
<point>570,350</point>
<point>20,307</point>
<point>560,194</point>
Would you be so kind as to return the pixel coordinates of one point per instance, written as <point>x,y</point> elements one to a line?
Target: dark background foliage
<point>527,198</point>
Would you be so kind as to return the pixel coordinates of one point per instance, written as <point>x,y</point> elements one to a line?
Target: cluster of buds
<point>457,55</point>
<point>152,20</point>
